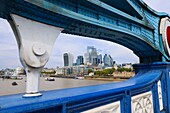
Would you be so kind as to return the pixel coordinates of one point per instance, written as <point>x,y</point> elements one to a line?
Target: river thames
<point>6,87</point>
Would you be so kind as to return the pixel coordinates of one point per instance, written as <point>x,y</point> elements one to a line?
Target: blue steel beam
<point>133,24</point>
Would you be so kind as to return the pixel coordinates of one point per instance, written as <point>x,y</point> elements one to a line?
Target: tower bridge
<point>131,23</point>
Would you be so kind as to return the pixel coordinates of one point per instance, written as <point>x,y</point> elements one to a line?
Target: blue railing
<point>73,100</point>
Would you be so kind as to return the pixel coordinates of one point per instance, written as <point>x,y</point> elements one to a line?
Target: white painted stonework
<point>160,95</point>
<point>109,108</point>
<point>165,22</point>
<point>142,103</point>
<point>35,41</point>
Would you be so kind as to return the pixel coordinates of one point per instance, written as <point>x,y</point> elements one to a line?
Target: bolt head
<point>39,49</point>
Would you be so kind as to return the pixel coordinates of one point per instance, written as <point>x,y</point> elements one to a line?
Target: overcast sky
<point>76,45</point>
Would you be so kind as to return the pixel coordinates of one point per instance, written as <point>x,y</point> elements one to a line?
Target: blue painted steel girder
<point>132,24</point>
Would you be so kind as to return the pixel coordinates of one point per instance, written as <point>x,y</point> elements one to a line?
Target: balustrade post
<point>64,108</point>
<point>126,103</point>
<point>165,86</point>
<point>155,98</point>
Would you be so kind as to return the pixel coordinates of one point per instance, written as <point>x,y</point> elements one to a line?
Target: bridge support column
<point>35,41</point>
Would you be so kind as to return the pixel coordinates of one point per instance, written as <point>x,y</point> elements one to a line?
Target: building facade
<point>79,60</point>
<point>108,61</point>
<point>91,57</point>
<point>99,59</point>
<point>68,59</point>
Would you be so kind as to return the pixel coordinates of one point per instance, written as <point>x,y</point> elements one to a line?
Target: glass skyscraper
<point>91,55</point>
<point>108,61</point>
<point>99,59</point>
<point>68,59</point>
<point>80,60</point>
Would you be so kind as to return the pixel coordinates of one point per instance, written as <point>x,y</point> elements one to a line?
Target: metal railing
<point>147,92</point>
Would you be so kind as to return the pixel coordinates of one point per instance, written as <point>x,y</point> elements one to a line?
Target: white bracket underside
<point>35,42</point>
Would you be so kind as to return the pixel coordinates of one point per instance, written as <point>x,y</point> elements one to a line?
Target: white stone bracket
<point>35,42</point>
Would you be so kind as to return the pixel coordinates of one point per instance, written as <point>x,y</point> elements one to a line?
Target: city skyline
<point>9,56</point>
<point>91,57</point>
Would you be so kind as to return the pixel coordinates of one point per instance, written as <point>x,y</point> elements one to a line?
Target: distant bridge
<point>131,23</point>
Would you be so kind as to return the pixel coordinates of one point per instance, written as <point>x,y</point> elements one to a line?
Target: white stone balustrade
<point>109,108</point>
<point>142,103</point>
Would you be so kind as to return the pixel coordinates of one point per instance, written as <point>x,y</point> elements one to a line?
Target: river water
<point>7,88</point>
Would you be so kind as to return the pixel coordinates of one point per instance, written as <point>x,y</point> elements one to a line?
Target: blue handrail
<point>88,97</point>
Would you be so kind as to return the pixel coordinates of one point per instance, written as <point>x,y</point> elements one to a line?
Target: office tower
<point>108,61</point>
<point>80,60</point>
<point>99,59</point>
<point>87,55</point>
<point>91,55</point>
<point>111,61</point>
<point>87,58</point>
<point>68,59</point>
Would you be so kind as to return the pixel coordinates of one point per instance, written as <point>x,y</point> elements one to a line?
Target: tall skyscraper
<point>91,55</point>
<point>80,60</point>
<point>68,59</point>
<point>99,59</point>
<point>87,55</point>
<point>111,61</point>
<point>108,61</point>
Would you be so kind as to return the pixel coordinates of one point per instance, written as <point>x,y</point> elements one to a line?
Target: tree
<point>90,70</point>
<point>124,69</point>
<point>105,72</point>
<point>98,73</point>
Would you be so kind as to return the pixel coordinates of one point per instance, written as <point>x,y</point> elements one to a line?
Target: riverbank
<point>107,79</point>
<point>115,77</point>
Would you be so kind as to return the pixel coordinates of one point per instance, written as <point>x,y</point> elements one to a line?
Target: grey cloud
<point>159,5</point>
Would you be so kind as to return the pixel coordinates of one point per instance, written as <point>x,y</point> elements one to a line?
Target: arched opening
<point>10,58</point>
